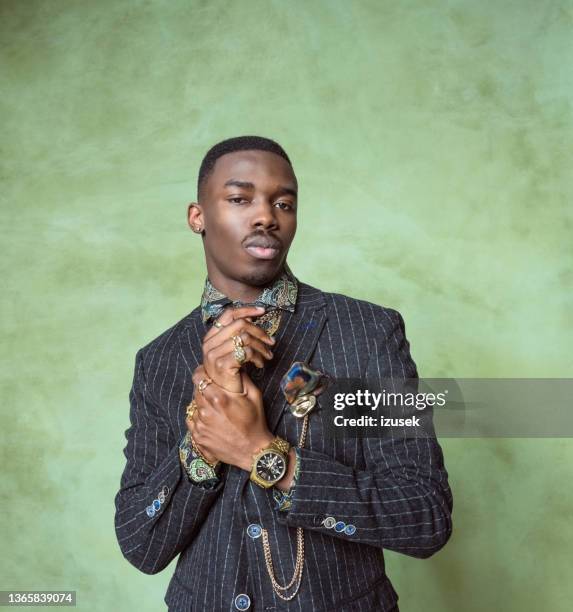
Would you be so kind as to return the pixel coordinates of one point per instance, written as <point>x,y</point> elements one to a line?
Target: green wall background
<point>433,145</point>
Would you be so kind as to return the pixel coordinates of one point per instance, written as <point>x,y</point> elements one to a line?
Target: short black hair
<point>238,143</point>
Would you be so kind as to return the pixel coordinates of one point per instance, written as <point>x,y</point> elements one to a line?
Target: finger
<point>259,346</point>
<point>195,429</point>
<point>199,374</point>
<point>213,330</point>
<point>243,325</point>
<point>253,392</point>
<point>247,340</point>
<point>229,315</point>
<point>237,328</point>
<point>205,400</point>
<point>224,332</point>
<point>190,424</point>
<point>198,378</point>
<point>212,398</point>
<point>259,352</point>
<point>227,362</point>
<point>201,403</point>
<point>232,314</point>
<point>223,357</point>
<point>198,431</point>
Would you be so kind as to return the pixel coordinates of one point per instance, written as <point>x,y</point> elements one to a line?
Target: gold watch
<point>270,463</point>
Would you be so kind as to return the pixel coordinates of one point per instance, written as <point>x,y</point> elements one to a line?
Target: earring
<point>197,229</point>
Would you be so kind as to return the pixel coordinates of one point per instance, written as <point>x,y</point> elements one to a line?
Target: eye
<point>285,205</point>
<point>238,200</point>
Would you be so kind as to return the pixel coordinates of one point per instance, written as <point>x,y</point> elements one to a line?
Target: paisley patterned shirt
<point>281,295</point>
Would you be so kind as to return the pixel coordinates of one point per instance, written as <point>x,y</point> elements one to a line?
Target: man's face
<point>248,211</point>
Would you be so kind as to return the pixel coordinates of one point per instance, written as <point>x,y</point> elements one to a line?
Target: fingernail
<point>272,339</point>
<point>261,308</point>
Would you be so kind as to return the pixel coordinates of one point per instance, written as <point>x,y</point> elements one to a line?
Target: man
<point>228,465</point>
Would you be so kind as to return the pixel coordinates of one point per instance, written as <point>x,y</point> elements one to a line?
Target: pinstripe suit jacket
<point>396,494</point>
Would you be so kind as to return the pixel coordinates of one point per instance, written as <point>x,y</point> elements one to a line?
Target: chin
<point>258,278</point>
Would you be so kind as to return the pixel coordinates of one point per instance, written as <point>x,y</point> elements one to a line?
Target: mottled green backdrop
<point>432,141</point>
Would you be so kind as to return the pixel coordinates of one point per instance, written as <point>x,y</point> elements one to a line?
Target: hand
<point>210,458</point>
<point>231,427</point>
<point>218,346</point>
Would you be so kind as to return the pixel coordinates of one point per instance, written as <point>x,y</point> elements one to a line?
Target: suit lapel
<point>296,342</point>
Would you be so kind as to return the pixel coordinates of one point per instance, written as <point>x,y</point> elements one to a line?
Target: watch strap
<point>280,445</point>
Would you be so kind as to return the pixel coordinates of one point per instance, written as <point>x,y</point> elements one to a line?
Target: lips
<point>263,247</point>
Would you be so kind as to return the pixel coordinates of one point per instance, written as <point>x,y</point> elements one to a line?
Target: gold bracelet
<point>281,445</point>
<point>201,455</point>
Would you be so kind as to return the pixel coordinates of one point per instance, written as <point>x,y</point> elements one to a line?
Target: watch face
<point>271,466</point>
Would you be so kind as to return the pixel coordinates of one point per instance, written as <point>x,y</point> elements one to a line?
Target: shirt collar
<point>281,294</point>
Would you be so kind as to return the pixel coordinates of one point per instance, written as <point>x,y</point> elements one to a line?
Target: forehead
<point>258,167</point>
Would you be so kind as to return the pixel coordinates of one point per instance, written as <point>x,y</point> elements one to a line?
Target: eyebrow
<point>283,189</point>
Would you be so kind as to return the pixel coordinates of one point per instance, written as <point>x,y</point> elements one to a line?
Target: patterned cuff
<point>283,499</point>
<point>198,471</point>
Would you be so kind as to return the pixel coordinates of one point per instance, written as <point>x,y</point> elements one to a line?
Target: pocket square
<point>300,386</point>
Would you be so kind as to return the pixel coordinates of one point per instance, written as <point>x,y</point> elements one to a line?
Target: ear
<point>195,217</point>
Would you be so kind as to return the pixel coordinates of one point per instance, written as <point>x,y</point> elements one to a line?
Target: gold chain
<point>297,576</point>
<point>299,565</point>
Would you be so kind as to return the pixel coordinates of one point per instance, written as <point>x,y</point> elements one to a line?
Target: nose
<point>264,215</point>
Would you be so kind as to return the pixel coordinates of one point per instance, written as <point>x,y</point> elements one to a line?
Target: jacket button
<point>254,530</point>
<point>242,602</point>
<point>340,526</point>
<point>329,522</point>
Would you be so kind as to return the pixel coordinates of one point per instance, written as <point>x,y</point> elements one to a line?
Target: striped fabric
<point>395,492</point>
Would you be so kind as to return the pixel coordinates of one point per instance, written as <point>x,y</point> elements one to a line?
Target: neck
<point>237,290</point>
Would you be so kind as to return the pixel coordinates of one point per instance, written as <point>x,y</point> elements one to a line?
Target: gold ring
<point>218,325</point>
<point>240,355</point>
<point>203,384</point>
<point>237,341</point>
<point>190,411</point>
